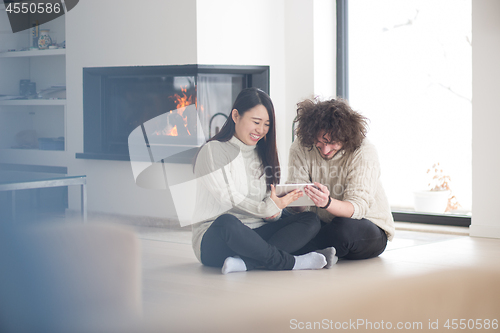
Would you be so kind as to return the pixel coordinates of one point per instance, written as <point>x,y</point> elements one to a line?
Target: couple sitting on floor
<point>250,228</point>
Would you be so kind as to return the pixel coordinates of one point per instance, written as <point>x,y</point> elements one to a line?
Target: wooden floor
<point>185,296</point>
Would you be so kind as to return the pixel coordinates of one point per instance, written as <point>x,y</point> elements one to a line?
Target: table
<point>21,180</point>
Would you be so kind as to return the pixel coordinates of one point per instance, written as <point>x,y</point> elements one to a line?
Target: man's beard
<point>326,158</point>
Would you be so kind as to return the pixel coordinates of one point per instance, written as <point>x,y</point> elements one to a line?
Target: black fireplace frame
<point>94,97</point>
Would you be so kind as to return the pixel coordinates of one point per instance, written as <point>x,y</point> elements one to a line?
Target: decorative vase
<point>44,39</point>
<point>431,201</point>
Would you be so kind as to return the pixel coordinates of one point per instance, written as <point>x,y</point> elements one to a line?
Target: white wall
<point>278,33</point>
<point>253,32</point>
<point>485,118</point>
<point>299,79</point>
<point>310,59</point>
<point>247,32</point>
<point>122,33</point>
<point>325,48</point>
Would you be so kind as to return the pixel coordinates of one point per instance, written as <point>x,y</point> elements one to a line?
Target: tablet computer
<point>304,200</point>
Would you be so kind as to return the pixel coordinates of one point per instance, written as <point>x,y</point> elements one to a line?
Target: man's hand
<point>286,199</point>
<point>319,194</point>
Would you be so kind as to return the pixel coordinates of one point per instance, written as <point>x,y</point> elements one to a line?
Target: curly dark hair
<point>335,117</point>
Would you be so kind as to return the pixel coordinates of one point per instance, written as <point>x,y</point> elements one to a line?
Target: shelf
<point>12,153</point>
<point>34,156</point>
<point>29,149</point>
<point>34,53</point>
<point>33,102</point>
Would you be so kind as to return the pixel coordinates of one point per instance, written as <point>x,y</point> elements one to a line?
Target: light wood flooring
<point>186,295</point>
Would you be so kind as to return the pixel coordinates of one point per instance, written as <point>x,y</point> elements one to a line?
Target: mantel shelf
<point>33,102</point>
<point>33,53</point>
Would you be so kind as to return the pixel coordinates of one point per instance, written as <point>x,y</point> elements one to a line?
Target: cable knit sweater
<point>354,178</point>
<point>230,181</point>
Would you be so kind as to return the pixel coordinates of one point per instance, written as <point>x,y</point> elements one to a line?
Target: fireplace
<point>165,111</point>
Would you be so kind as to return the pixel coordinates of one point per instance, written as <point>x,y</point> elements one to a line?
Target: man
<point>332,152</point>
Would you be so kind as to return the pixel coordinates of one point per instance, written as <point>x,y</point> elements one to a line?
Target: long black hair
<point>266,147</point>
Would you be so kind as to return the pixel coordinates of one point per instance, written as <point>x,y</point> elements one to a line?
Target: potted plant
<point>439,198</point>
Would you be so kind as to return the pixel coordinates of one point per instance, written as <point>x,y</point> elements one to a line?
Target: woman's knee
<point>227,221</point>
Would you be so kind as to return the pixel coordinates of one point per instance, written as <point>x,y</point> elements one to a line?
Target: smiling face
<point>326,147</point>
<point>252,126</point>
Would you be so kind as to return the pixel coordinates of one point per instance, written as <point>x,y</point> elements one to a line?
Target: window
<point>410,73</point>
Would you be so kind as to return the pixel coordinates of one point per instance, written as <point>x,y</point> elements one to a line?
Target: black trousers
<point>351,238</point>
<point>268,246</point>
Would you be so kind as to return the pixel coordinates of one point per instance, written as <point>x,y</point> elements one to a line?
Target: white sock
<point>311,260</point>
<point>331,258</point>
<point>233,264</point>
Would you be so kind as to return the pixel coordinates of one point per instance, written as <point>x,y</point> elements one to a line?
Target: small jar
<point>44,39</point>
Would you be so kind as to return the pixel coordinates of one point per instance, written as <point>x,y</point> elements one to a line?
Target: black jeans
<point>351,238</point>
<point>268,246</point>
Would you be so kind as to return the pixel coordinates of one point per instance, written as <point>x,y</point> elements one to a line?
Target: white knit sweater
<point>354,178</point>
<point>230,181</point>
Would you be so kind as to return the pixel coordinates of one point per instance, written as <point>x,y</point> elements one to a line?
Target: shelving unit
<point>25,120</point>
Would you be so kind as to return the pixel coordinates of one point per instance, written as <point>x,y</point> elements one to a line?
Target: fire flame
<point>173,131</point>
<point>181,103</point>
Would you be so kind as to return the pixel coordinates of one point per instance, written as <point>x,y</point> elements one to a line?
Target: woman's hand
<point>286,199</point>
<point>320,195</point>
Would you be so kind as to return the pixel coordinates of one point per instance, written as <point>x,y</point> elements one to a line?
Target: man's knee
<point>341,228</point>
<point>371,249</point>
<point>362,238</point>
<point>355,228</point>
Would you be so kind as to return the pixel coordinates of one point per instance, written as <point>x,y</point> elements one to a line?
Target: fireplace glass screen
<point>162,103</point>
<point>175,107</point>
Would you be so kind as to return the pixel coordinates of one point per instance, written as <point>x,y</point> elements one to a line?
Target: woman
<point>241,228</point>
